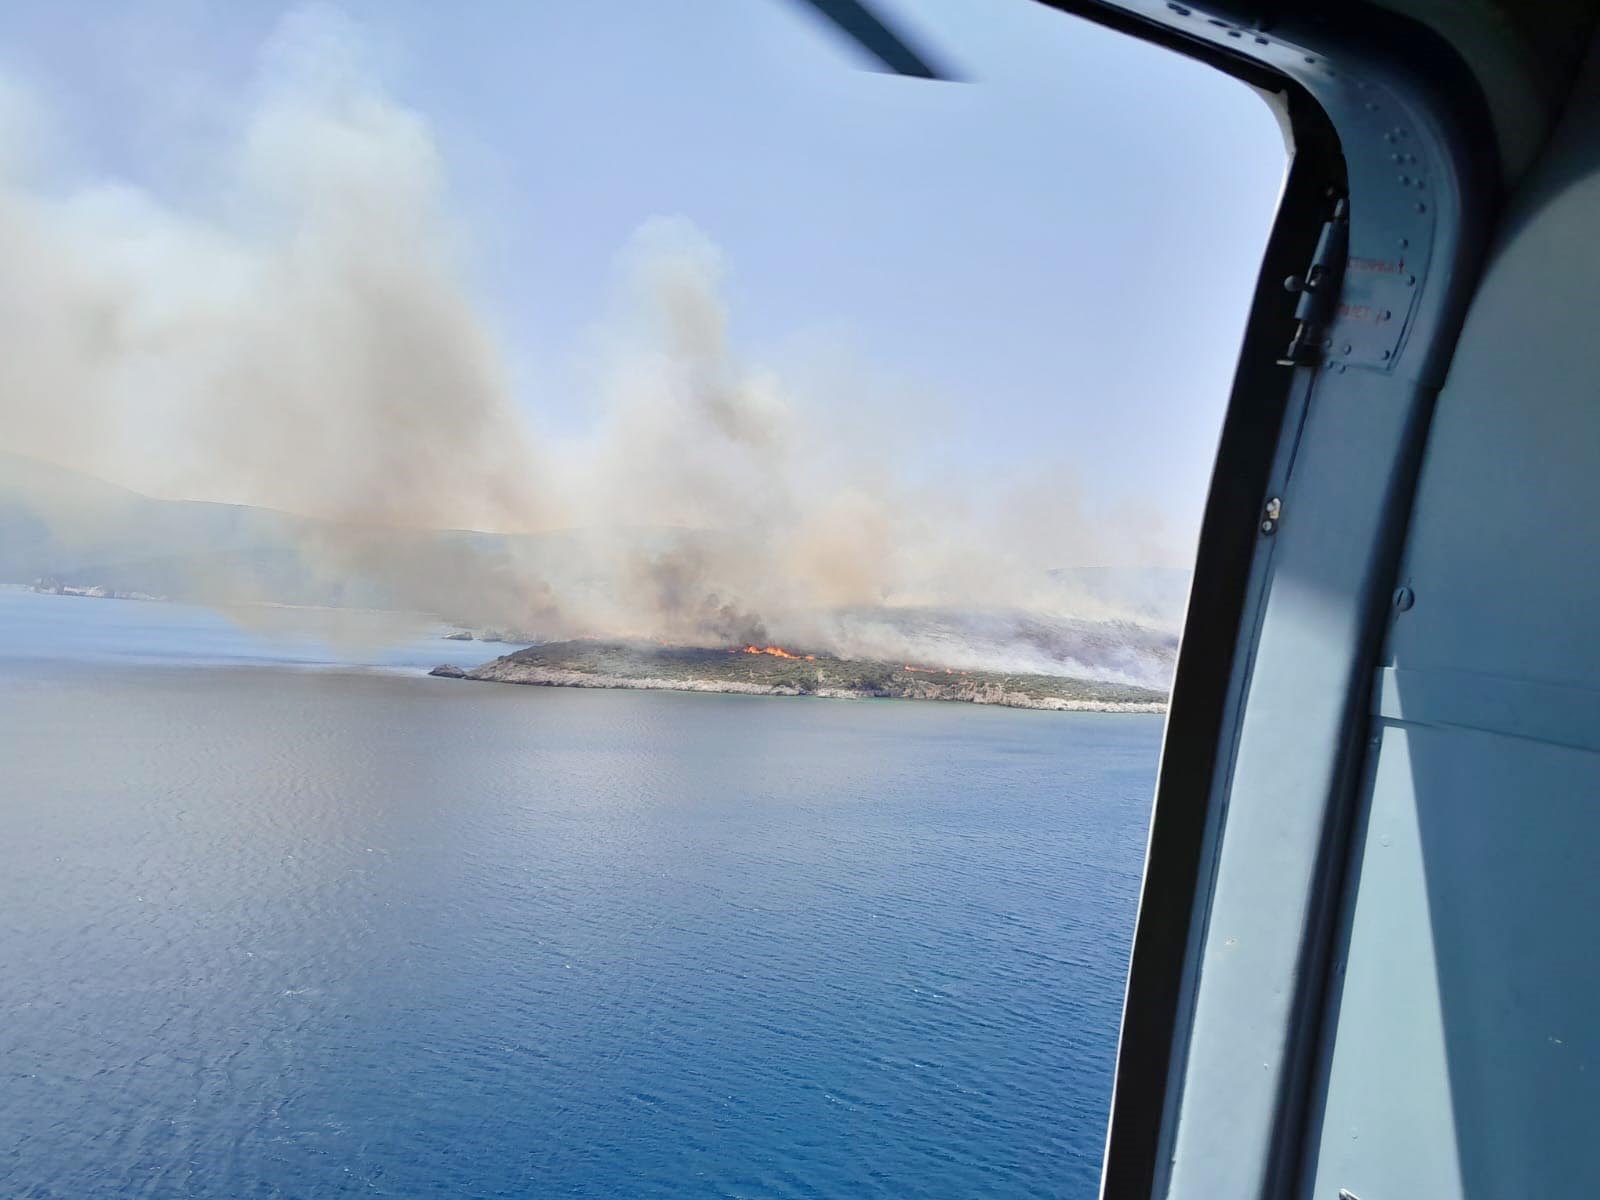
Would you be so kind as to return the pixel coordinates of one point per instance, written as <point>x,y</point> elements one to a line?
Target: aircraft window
<point>360,359</point>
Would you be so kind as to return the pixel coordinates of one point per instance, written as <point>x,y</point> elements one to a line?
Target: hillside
<point>81,533</point>
<point>778,672</point>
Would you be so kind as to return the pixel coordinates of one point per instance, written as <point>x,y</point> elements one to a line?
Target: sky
<point>1043,268</point>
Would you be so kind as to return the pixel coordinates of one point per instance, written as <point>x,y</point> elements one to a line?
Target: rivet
<point>1404,598</point>
<point>1411,281</point>
<point>1405,181</point>
<point>1384,355</point>
<point>1404,242</point>
<point>1422,208</point>
<point>1346,349</point>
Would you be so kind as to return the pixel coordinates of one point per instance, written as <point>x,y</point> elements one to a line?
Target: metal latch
<point>1271,512</point>
<point>1318,288</point>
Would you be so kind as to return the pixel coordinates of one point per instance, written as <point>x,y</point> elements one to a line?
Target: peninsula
<point>777,671</point>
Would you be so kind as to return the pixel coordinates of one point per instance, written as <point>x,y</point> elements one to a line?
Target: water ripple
<point>270,933</point>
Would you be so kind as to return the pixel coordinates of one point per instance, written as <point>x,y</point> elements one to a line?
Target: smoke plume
<point>298,335</point>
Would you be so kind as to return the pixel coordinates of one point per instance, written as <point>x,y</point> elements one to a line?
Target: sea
<point>283,916</point>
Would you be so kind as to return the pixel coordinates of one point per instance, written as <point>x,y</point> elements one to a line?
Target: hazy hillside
<point>1117,624</point>
<point>1150,595</point>
<point>61,524</point>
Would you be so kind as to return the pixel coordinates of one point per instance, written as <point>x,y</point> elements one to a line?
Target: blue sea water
<point>359,932</point>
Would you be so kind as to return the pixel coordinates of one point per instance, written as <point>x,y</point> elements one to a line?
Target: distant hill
<point>69,526</point>
<point>64,525</point>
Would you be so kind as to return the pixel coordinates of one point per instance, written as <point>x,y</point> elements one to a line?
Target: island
<point>777,671</point>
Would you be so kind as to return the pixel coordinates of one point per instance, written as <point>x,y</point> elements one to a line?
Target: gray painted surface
<point>1242,1051</point>
<point>1389,983</point>
<point>1461,1052</point>
<point>1244,1056</point>
<point>1467,1058</point>
<point>1503,555</point>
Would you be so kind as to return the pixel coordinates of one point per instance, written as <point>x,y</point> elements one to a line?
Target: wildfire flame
<point>933,670</point>
<point>779,652</point>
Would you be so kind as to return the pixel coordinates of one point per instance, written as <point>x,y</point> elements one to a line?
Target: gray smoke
<point>298,336</point>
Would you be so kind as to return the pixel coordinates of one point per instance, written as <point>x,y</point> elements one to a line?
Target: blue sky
<point>1047,265</point>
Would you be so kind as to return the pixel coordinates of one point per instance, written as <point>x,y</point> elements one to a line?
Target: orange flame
<point>779,652</point>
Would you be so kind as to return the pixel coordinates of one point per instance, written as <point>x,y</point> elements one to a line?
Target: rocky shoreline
<point>772,671</point>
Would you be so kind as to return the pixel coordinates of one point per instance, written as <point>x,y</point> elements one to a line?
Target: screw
<point>1404,598</point>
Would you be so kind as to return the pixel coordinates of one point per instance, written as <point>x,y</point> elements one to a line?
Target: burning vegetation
<point>776,652</point>
<point>777,671</point>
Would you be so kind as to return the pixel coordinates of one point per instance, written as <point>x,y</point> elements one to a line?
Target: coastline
<point>1025,693</point>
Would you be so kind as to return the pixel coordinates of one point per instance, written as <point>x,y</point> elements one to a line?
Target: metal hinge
<point>1318,288</point>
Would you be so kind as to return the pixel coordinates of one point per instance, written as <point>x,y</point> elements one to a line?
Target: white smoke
<point>298,335</point>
